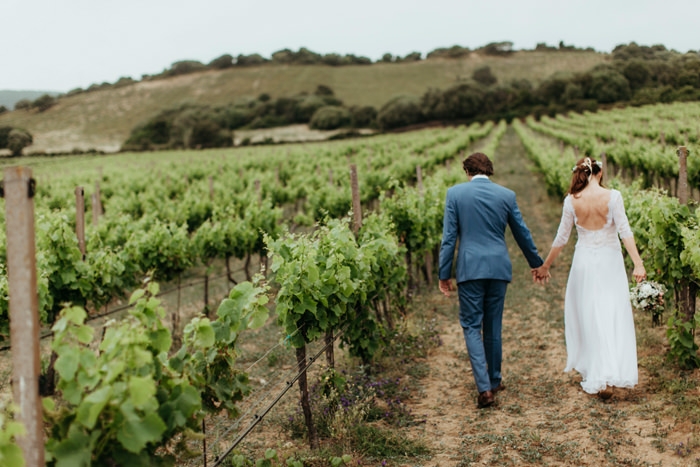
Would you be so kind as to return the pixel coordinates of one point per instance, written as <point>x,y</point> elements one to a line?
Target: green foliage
<point>364,116</point>
<point>4,133</point>
<point>456,51</point>
<point>321,279</point>
<point>484,76</point>
<point>125,401</point>
<point>16,140</point>
<point>609,86</point>
<point>250,60</point>
<point>683,350</point>
<point>44,102</point>
<point>459,102</point>
<point>399,111</point>
<point>330,118</point>
<point>184,67</point>
<point>23,104</point>
<point>416,217</point>
<point>10,453</point>
<point>222,62</point>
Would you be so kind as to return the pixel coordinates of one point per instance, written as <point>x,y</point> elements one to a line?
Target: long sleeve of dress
<point>565,225</point>
<point>619,216</point>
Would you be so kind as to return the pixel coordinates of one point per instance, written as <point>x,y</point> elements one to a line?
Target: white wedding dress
<point>599,326</point>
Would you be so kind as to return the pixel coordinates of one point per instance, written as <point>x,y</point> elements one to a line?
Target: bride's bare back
<point>591,207</point>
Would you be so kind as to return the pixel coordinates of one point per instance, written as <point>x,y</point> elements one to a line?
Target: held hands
<point>639,272</point>
<point>446,286</point>
<point>541,275</point>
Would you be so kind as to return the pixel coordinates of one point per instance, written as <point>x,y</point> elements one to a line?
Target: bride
<point>599,326</point>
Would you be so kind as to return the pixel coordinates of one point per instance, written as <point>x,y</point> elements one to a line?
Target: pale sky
<point>59,45</point>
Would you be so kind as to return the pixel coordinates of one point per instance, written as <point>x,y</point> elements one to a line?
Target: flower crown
<point>588,164</point>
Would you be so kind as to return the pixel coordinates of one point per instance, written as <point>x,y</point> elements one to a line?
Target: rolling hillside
<point>103,119</point>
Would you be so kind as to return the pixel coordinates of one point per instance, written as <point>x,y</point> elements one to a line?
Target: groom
<point>477,214</point>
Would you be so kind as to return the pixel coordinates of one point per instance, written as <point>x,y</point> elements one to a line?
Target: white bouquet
<point>648,296</point>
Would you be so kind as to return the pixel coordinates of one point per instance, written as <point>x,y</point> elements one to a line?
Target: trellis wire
<point>258,417</point>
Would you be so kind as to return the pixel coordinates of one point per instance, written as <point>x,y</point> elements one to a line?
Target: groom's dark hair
<point>478,164</point>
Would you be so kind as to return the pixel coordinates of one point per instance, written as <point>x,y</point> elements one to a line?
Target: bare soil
<point>544,417</point>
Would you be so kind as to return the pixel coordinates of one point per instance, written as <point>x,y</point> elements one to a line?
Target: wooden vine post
<point>688,289</point>
<point>18,190</point>
<point>304,390</point>
<point>80,219</point>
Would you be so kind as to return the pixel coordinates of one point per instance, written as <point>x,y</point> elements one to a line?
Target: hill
<point>103,119</point>
<point>10,98</point>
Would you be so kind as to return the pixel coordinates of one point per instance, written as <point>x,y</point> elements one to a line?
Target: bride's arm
<point>627,237</point>
<point>639,272</point>
<point>563,232</point>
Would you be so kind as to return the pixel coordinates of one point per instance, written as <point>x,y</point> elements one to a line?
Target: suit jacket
<point>477,213</point>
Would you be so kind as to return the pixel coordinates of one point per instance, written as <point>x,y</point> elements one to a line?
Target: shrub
<point>3,109</point>
<point>305,56</point>
<point>399,111</point>
<point>44,102</point>
<point>363,117</point>
<point>455,51</point>
<point>153,133</point>
<point>572,92</point>
<point>498,100</point>
<point>412,57</point>
<point>222,62</point>
<point>387,58</point>
<point>543,47</point>
<point>307,106</point>
<point>351,59</point>
<point>609,86</point>
<point>330,118</point>
<point>124,81</point>
<point>206,133</point>
<point>23,104</point>
<point>332,60</point>
<point>184,67</point>
<point>552,89</point>
<point>497,48</point>
<point>283,56</point>
<point>637,74</point>
<point>17,140</point>
<point>4,132</point>
<point>233,117</point>
<point>323,90</point>
<point>250,60</point>
<point>484,76</point>
<point>462,101</point>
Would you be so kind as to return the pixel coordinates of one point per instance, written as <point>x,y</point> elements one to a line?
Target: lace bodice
<point>617,223</point>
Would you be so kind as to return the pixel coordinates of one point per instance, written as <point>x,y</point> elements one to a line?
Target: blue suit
<point>477,213</point>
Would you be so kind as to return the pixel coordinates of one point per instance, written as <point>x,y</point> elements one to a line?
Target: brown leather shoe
<point>499,388</point>
<point>485,399</point>
<point>606,393</point>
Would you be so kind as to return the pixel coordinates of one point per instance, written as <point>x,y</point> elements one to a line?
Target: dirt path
<point>543,417</point>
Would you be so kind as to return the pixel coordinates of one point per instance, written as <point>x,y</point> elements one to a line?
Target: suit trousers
<point>481,315</point>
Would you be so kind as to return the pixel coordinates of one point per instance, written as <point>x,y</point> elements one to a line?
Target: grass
<point>103,119</point>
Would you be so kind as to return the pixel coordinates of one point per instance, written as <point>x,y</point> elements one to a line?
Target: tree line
<point>636,75</point>
<point>204,126</point>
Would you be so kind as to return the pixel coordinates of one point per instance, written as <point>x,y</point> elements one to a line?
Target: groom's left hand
<point>446,286</point>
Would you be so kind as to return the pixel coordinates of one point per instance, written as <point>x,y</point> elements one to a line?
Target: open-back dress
<point>599,326</point>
